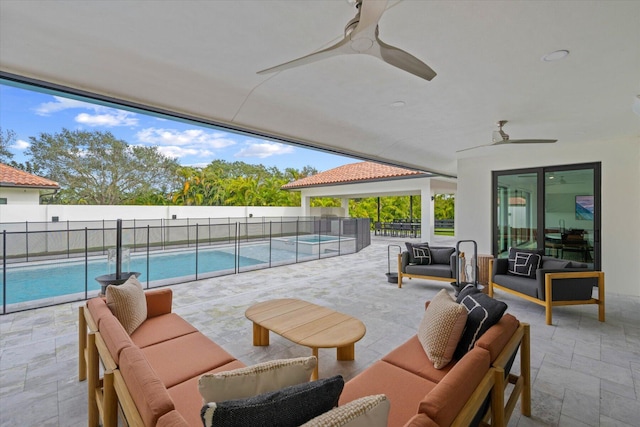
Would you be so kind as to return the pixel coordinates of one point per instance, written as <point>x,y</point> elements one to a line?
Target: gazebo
<point>369,179</point>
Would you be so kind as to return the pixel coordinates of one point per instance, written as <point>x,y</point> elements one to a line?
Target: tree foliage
<point>224,183</point>
<point>96,168</point>
<point>7,137</point>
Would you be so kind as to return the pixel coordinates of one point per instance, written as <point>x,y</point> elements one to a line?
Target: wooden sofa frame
<point>108,395</point>
<point>548,302</point>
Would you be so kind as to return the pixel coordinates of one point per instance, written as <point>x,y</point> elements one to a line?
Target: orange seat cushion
<point>403,389</point>
<point>115,337</point>
<point>149,394</point>
<point>161,328</point>
<point>184,357</point>
<point>411,357</point>
<point>448,397</point>
<point>498,335</point>
<point>186,396</point>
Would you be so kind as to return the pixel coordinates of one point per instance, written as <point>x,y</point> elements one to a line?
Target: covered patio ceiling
<point>199,59</point>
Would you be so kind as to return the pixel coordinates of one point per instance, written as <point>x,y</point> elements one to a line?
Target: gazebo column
<point>426,205</point>
<point>345,207</point>
<point>305,203</point>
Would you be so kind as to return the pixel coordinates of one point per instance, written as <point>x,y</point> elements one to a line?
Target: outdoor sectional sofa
<point>549,282</point>
<point>151,375</point>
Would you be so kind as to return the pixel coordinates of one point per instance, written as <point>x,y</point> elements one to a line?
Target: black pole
<point>118,249</point>
<point>4,271</point>
<point>86,262</point>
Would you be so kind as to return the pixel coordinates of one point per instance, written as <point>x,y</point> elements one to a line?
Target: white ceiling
<point>200,58</point>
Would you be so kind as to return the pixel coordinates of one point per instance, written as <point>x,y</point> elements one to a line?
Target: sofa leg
<point>548,298</point>
<point>399,280</point>
<point>82,345</point>
<point>601,297</point>
<point>525,371</point>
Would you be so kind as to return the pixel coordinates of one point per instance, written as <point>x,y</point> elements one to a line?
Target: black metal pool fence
<point>27,244</point>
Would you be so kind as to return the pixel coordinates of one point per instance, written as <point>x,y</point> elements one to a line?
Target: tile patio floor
<point>585,373</point>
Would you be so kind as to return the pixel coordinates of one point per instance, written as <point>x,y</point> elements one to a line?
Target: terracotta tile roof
<point>12,177</point>
<point>354,172</point>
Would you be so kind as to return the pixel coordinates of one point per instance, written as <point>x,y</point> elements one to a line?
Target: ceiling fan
<point>500,137</point>
<point>361,36</point>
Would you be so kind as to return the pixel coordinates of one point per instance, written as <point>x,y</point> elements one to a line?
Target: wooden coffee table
<point>306,324</point>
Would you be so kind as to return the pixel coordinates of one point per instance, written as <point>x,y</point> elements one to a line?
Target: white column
<point>426,206</point>
<point>345,207</point>
<point>305,204</point>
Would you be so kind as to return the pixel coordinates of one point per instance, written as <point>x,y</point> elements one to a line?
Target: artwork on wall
<point>584,207</point>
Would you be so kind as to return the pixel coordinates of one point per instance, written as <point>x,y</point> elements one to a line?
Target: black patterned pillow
<point>522,264</point>
<point>525,264</point>
<point>482,313</point>
<point>410,247</point>
<point>289,406</point>
<point>422,255</point>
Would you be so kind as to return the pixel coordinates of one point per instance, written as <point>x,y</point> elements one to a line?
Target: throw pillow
<point>441,328</point>
<point>422,255</point>
<point>128,303</point>
<point>410,246</point>
<point>483,313</point>
<point>512,256</point>
<point>441,255</point>
<point>525,264</point>
<point>555,264</point>
<point>290,406</point>
<point>256,379</point>
<point>368,411</point>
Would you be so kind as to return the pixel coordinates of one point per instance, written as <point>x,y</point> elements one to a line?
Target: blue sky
<point>29,113</point>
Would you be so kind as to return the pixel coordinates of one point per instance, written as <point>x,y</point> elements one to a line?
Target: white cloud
<point>264,149</point>
<point>110,119</point>
<point>196,138</point>
<point>103,116</point>
<point>61,104</point>
<point>179,152</point>
<point>21,145</point>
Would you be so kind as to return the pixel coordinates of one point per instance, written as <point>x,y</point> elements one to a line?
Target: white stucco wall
<point>41,213</point>
<point>620,199</point>
<point>20,195</point>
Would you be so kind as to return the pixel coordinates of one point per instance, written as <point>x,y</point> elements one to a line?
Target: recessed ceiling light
<point>397,104</point>
<point>555,56</point>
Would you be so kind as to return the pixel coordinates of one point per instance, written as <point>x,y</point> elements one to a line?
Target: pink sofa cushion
<point>173,419</point>
<point>421,420</point>
<point>498,335</point>
<point>149,394</point>
<point>403,389</point>
<point>115,337</point>
<point>184,357</point>
<point>98,309</point>
<point>444,402</point>
<point>411,356</point>
<point>186,396</point>
<point>159,302</point>
<point>161,328</point>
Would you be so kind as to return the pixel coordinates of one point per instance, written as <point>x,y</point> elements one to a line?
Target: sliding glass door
<point>553,209</point>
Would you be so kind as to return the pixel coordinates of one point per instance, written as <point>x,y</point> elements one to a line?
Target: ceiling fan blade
<point>531,141</point>
<point>339,48</point>
<point>473,148</point>
<point>404,60</point>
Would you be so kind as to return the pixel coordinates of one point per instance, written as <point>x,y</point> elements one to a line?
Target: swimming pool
<point>63,280</point>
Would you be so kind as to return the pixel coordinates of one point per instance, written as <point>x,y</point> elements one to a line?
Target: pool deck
<point>584,373</point>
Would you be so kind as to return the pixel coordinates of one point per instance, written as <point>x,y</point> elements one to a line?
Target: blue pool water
<point>60,278</point>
